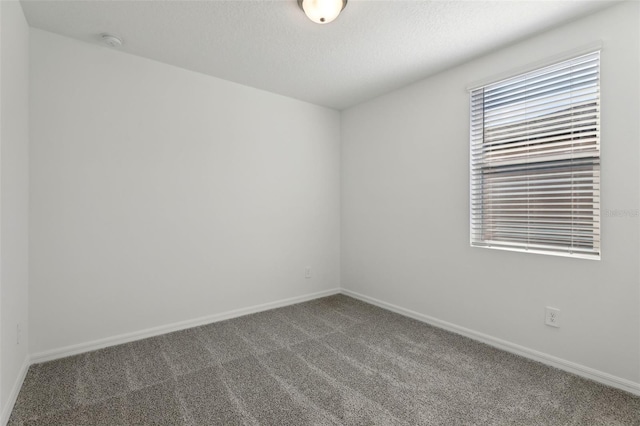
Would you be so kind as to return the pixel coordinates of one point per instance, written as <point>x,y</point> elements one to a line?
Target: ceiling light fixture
<point>322,11</point>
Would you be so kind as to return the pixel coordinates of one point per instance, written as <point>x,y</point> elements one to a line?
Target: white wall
<point>161,195</point>
<point>14,198</point>
<point>405,210</point>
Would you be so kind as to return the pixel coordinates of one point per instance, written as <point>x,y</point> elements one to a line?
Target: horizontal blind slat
<point>564,79</point>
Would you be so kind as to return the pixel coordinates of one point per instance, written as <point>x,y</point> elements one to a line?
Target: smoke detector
<point>111,40</point>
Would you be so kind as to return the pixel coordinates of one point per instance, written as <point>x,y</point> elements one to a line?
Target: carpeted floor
<point>332,361</point>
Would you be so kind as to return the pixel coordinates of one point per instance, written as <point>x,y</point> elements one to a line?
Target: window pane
<point>535,161</point>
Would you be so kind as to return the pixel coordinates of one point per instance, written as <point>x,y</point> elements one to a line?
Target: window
<point>535,161</point>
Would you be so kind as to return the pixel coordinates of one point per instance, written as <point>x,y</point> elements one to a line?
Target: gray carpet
<point>332,361</point>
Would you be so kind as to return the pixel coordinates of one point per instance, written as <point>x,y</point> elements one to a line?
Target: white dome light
<point>322,11</point>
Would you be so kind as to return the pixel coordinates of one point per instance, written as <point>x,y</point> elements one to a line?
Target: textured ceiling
<point>373,47</point>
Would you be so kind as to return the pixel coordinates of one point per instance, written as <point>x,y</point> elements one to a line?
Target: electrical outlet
<point>18,333</point>
<point>307,272</point>
<point>552,316</point>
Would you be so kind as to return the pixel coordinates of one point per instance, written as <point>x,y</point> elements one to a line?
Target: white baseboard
<point>562,364</point>
<point>13,396</point>
<point>155,331</point>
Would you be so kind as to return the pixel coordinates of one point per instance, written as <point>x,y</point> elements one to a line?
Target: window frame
<point>594,49</point>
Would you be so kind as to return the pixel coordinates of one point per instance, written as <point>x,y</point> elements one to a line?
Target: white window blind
<point>535,161</point>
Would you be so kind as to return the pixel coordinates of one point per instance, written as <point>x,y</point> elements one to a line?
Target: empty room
<point>319,212</point>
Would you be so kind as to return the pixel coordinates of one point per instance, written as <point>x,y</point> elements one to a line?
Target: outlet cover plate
<point>552,316</point>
